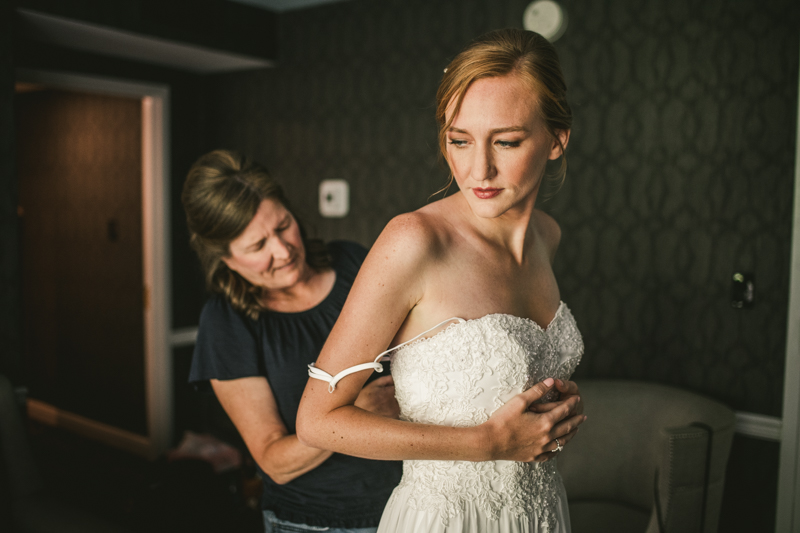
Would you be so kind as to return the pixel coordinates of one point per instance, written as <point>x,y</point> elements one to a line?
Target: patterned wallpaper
<point>681,162</point>
<point>683,175</point>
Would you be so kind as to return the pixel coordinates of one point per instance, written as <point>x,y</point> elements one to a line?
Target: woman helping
<point>276,296</point>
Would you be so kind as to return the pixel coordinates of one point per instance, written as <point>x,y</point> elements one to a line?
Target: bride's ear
<point>559,144</point>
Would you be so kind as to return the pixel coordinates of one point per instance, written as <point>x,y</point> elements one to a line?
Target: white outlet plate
<point>334,198</point>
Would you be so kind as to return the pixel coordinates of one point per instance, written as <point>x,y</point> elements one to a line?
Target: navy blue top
<point>344,491</point>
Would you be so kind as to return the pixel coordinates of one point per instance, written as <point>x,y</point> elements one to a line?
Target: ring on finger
<point>558,447</point>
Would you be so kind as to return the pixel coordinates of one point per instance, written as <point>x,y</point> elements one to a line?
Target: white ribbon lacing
<point>318,373</point>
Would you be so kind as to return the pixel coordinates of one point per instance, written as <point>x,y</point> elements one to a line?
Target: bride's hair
<point>501,53</point>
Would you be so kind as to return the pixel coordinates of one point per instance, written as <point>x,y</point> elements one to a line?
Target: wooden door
<point>80,188</point>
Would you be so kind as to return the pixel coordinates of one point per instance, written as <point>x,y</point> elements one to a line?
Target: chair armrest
<point>681,481</point>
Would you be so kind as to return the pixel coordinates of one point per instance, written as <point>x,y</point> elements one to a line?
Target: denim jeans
<point>273,525</point>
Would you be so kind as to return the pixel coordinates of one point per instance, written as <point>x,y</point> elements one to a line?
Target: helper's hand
<point>567,389</point>
<point>378,397</point>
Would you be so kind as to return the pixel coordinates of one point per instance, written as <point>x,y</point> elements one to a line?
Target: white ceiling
<point>285,5</point>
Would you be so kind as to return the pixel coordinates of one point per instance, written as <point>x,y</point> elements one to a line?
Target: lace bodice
<point>459,377</point>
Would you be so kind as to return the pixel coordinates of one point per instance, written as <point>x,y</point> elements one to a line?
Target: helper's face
<point>269,253</point>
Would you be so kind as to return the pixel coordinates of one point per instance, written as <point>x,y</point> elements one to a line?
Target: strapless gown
<point>459,377</point>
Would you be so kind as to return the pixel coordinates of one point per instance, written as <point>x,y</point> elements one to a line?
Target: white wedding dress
<point>459,377</point>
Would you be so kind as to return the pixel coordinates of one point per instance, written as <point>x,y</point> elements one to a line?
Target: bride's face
<point>498,146</point>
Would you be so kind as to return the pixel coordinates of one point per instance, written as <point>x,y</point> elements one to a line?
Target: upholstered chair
<point>649,459</point>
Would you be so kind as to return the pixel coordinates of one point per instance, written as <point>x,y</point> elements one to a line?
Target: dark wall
<point>10,311</point>
<point>683,174</point>
<point>681,162</point>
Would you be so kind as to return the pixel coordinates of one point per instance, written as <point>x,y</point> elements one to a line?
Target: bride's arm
<point>390,283</point>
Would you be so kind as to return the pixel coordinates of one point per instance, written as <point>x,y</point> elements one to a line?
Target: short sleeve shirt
<point>344,491</point>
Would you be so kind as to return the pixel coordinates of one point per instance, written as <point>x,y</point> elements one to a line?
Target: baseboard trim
<point>759,426</point>
<point>118,438</point>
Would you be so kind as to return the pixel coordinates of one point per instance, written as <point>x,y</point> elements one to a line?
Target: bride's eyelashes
<point>461,143</point>
<point>508,144</point>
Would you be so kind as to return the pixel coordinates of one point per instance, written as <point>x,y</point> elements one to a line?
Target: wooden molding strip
<point>86,427</point>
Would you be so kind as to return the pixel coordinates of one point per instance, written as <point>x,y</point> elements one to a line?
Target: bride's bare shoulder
<point>412,242</point>
<point>416,234</point>
<point>405,251</point>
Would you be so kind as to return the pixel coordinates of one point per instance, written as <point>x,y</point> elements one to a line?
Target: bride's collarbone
<point>473,296</point>
<point>472,281</point>
<point>489,270</point>
<point>519,241</point>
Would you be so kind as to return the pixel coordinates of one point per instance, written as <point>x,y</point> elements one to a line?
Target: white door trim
<point>788,509</point>
<point>156,267</point>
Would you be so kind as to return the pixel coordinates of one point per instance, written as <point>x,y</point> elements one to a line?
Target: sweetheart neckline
<point>529,321</point>
<point>316,373</point>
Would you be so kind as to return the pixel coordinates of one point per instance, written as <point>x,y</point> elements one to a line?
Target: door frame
<point>788,508</point>
<point>155,100</point>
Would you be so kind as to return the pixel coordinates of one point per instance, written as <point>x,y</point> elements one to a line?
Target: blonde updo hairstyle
<point>221,195</point>
<point>521,53</point>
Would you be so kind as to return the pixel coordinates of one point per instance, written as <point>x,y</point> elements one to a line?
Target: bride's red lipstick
<point>485,194</point>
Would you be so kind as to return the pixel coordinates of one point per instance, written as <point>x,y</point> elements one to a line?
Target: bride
<point>464,290</point>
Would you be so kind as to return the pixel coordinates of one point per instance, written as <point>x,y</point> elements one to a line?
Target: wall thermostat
<point>334,198</point>
<point>546,18</point>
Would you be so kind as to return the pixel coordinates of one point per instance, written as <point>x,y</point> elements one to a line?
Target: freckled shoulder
<point>394,275</point>
<point>549,229</point>
<point>414,237</point>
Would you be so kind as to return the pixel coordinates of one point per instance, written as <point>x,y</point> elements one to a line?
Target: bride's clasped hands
<point>525,431</point>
